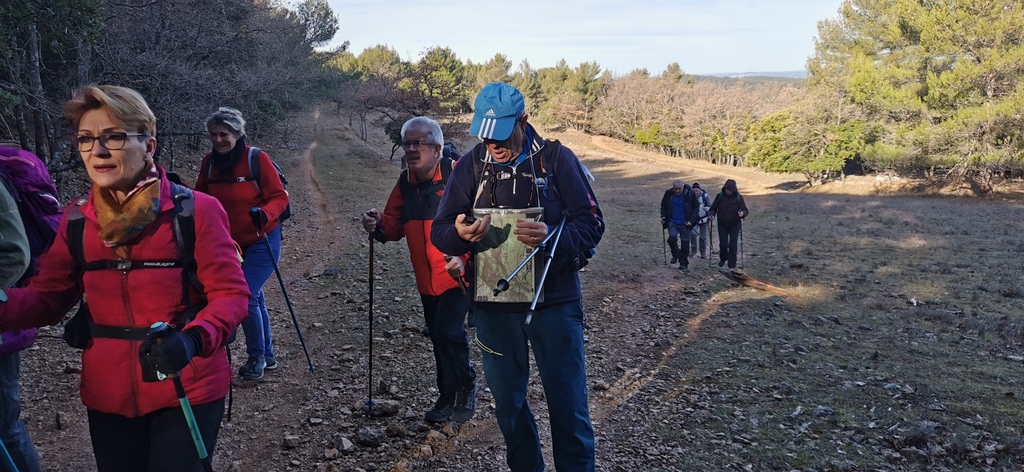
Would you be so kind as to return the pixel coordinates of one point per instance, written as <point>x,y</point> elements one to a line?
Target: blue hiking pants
<point>257,267</point>
<point>556,336</point>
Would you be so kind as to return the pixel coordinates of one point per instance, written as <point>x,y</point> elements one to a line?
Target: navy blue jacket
<point>567,190</point>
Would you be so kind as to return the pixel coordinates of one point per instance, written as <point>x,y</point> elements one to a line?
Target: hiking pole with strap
<point>257,220</point>
<point>157,332</point>
<point>369,310</point>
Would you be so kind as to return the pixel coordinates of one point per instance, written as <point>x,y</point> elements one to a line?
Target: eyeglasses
<point>417,144</point>
<point>110,141</point>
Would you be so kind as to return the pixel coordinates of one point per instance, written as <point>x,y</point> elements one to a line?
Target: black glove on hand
<point>259,217</point>
<point>173,353</point>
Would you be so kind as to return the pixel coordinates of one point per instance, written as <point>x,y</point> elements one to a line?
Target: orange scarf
<point>121,222</point>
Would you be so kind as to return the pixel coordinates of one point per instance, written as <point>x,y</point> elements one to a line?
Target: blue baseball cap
<point>495,111</point>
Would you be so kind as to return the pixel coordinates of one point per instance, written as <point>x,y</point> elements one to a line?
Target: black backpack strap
<point>184,223</point>
<point>254,168</point>
<point>75,231</point>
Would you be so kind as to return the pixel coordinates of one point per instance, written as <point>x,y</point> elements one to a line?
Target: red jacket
<point>239,198</point>
<point>111,373</point>
<point>410,216</point>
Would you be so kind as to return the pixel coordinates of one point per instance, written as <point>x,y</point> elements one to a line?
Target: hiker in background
<point>513,154</point>
<point>409,213</point>
<point>679,214</point>
<point>135,421</point>
<point>699,233</point>
<point>14,261</point>
<point>225,174</point>
<point>730,209</point>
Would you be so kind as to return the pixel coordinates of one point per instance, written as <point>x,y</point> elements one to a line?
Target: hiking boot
<point>683,268</point>
<point>441,411</point>
<point>465,404</point>
<point>271,364</point>
<point>674,260</point>
<point>253,368</point>
<point>721,262</point>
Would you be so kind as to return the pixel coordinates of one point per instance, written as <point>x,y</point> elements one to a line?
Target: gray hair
<point>678,183</point>
<point>435,135</point>
<point>230,117</point>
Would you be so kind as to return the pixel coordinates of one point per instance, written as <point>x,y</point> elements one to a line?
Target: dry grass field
<point>901,348</point>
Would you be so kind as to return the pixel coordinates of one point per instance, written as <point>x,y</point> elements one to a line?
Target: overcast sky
<point>703,36</point>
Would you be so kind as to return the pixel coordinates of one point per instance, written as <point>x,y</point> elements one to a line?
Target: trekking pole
<point>369,383</point>
<point>157,332</point>
<point>458,279</point>
<point>664,244</point>
<point>256,220</point>
<point>742,262</point>
<point>8,461</point>
<point>711,237</point>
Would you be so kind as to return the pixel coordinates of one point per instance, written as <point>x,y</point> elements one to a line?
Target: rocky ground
<point>899,349</point>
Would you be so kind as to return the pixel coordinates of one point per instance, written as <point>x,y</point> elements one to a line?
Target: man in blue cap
<point>515,168</point>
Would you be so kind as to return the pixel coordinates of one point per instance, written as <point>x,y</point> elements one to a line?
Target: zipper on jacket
<point>132,360</point>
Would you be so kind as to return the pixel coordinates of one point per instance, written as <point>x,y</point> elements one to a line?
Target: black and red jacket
<point>409,213</point>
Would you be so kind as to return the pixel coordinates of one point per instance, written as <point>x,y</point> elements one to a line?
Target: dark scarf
<point>225,163</point>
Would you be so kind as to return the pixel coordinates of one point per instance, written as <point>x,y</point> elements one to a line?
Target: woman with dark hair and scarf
<point>225,174</point>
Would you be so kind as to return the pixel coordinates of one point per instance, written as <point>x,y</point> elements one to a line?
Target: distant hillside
<point>792,74</point>
<point>752,78</point>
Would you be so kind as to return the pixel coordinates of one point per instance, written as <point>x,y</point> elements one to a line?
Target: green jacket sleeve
<point>14,248</point>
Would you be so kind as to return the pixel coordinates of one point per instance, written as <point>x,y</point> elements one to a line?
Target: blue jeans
<point>446,319</point>
<point>12,430</point>
<point>556,337</point>
<point>258,267</point>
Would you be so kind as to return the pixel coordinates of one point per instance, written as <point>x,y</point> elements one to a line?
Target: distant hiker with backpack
<point>20,171</point>
<point>699,233</point>
<point>730,209</point>
<point>409,213</point>
<point>679,210</point>
<point>124,262</point>
<point>244,179</point>
<point>514,169</point>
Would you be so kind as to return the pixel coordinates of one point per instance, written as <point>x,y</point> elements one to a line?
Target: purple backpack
<point>28,181</point>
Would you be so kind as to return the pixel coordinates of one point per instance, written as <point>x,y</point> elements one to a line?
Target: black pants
<point>157,442</point>
<point>446,319</point>
<point>728,236</point>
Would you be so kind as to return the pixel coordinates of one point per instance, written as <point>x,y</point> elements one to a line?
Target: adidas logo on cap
<point>490,112</point>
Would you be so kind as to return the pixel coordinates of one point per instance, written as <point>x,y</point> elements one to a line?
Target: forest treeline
<point>911,87</point>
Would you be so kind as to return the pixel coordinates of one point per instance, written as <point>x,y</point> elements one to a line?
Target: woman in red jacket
<point>128,218</point>
<point>253,203</point>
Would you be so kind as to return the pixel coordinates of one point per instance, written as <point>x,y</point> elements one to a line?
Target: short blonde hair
<point>123,104</point>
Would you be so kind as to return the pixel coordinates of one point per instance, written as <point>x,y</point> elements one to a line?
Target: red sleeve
<point>220,273</point>
<point>275,197</point>
<point>391,223</point>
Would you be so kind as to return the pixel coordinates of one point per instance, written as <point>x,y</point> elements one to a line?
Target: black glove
<point>259,217</point>
<point>664,224</point>
<point>172,353</point>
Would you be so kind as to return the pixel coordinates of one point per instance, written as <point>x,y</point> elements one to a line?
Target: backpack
<point>254,177</point>
<point>547,174</point>
<point>29,183</point>
<point>450,151</point>
<point>80,329</point>
<point>427,191</point>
